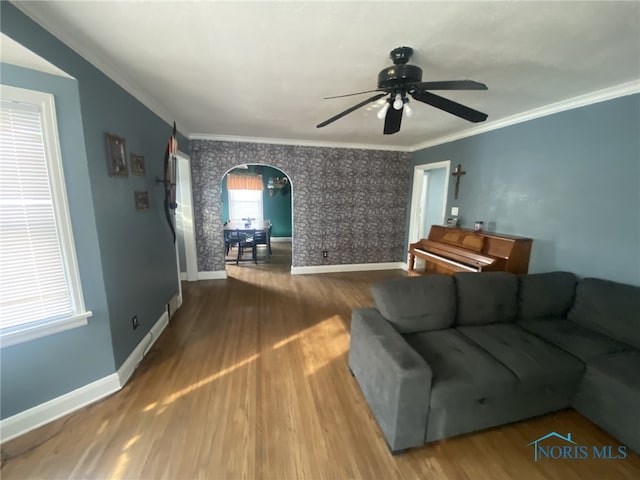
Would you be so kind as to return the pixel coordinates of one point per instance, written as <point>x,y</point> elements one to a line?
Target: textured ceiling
<point>261,69</point>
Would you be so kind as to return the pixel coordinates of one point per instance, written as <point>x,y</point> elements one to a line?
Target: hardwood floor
<point>250,380</point>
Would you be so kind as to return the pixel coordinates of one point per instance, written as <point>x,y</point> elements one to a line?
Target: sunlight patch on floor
<point>288,340</point>
<point>330,334</point>
<point>323,343</point>
<point>123,460</point>
<point>103,427</point>
<point>201,383</point>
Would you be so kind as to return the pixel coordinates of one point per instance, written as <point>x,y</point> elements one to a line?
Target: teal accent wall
<point>276,208</point>
<point>571,181</point>
<point>127,257</point>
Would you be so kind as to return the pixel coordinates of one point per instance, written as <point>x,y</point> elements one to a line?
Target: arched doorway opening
<point>257,201</point>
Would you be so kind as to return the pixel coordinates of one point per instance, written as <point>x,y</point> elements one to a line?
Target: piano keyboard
<point>446,260</point>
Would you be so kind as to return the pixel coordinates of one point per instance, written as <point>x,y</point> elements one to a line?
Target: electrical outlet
<point>134,322</point>
<point>454,211</point>
<point>325,254</point>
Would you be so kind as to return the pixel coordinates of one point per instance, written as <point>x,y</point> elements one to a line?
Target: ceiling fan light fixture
<point>398,102</point>
<point>383,111</point>
<point>408,110</point>
<point>401,79</point>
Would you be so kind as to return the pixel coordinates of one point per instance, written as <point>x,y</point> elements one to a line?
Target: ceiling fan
<point>400,80</point>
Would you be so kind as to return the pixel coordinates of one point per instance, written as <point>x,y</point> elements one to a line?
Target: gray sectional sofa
<point>442,356</point>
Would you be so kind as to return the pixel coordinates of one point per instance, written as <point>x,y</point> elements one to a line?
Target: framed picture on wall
<point>142,200</point>
<point>137,164</point>
<point>117,156</point>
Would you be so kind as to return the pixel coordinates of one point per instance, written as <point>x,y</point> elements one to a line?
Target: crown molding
<point>100,63</point>
<point>299,143</point>
<point>598,96</point>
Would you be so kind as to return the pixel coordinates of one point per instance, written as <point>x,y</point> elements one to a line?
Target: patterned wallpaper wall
<point>350,202</point>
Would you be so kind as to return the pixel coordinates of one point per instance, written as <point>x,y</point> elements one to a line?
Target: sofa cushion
<point>609,396</point>
<point>542,295</point>
<point>617,374</point>
<point>609,308</point>
<point>417,304</point>
<point>571,337</point>
<point>462,371</point>
<point>486,297</point>
<point>535,362</point>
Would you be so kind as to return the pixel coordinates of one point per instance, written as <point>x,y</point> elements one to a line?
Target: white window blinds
<point>245,204</point>
<point>39,282</point>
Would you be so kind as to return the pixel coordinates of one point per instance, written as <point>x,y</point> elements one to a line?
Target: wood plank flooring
<point>250,381</point>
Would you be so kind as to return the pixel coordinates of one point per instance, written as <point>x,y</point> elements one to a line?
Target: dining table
<point>251,227</point>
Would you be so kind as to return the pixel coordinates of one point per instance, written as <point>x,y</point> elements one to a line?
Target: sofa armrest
<point>394,378</point>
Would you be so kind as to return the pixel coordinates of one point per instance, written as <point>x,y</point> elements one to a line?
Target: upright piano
<point>449,250</point>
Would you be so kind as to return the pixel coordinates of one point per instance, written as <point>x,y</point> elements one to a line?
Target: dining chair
<point>230,240</point>
<point>246,239</point>
<point>263,237</point>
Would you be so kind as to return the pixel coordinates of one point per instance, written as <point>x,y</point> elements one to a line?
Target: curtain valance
<point>244,182</point>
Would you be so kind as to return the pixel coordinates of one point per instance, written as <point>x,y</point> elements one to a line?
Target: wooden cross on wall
<point>458,172</point>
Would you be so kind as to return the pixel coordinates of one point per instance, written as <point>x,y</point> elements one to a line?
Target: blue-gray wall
<point>30,373</point>
<point>134,248</point>
<point>571,181</point>
<point>435,192</point>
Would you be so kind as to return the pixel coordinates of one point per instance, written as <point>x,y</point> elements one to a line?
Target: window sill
<point>26,333</point>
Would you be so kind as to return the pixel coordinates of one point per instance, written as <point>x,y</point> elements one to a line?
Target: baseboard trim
<point>183,276</point>
<point>215,275</point>
<point>55,408</point>
<point>133,360</point>
<point>280,239</point>
<point>347,267</point>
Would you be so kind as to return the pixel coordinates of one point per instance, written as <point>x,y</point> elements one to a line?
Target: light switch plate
<point>454,211</point>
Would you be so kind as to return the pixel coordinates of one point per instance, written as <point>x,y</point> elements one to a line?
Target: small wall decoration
<point>142,200</point>
<point>117,156</point>
<point>137,164</point>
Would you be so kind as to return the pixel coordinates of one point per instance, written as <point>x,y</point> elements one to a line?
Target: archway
<point>263,195</point>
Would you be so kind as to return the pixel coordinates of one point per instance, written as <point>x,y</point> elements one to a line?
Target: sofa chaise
<point>441,356</point>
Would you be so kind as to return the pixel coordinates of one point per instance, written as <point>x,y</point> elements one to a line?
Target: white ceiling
<point>261,69</point>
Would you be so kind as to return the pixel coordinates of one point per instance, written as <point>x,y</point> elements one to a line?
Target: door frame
<point>417,195</point>
<point>183,166</point>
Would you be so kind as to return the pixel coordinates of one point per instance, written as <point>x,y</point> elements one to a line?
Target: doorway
<point>185,226</point>
<point>262,195</point>
<point>429,198</point>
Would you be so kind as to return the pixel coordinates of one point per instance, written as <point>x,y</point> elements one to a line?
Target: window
<point>245,204</point>
<point>40,290</point>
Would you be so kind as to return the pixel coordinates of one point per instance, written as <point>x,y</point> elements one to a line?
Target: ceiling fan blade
<point>392,120</point>
<point>349,110</point>
<point>450,106</point>
<point>448,85</point>
<point>352,94</point>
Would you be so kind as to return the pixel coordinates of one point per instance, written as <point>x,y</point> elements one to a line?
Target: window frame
<point>79,316</point>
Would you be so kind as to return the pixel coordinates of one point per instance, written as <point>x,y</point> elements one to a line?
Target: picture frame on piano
<point>452,222</point>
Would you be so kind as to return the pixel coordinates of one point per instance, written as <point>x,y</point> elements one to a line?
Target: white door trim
<point>417,193</point>
<point>186,208</point>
